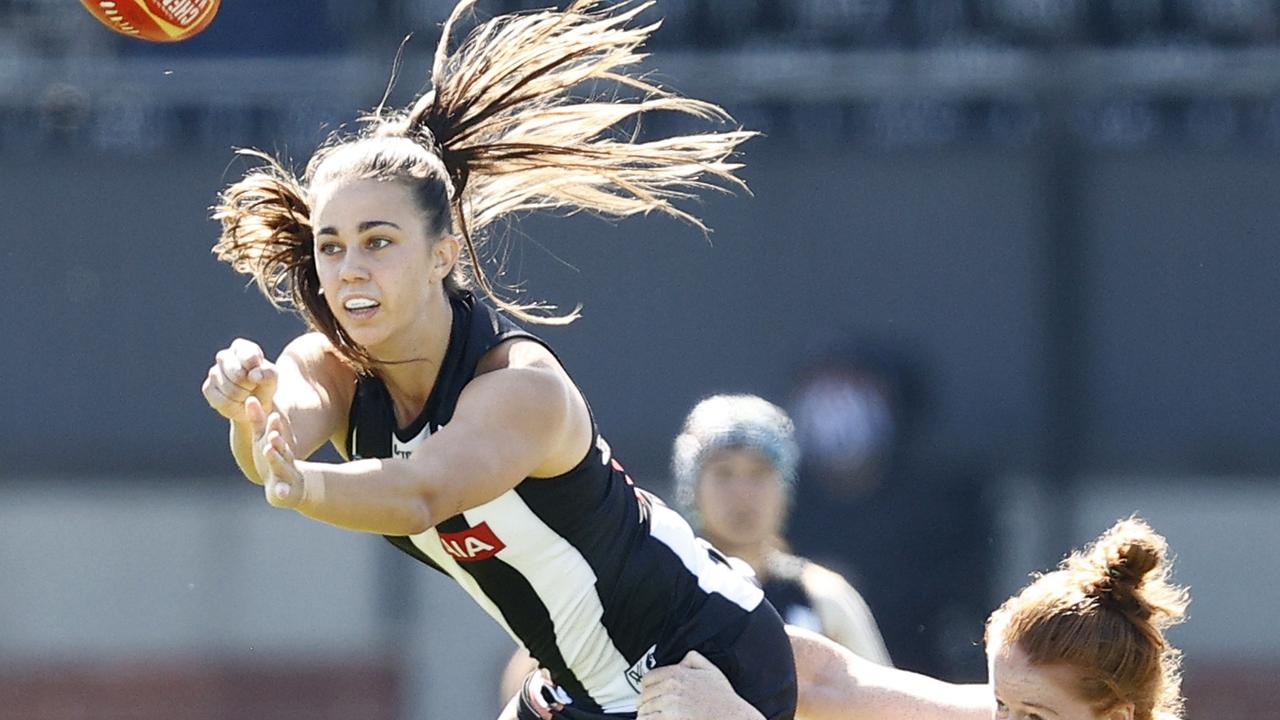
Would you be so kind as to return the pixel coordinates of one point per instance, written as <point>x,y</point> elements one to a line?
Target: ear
<point>1124,711</point>
<point>444,255</point>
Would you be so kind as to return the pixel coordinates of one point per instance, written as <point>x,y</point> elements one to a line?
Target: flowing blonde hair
<point>515,122</point>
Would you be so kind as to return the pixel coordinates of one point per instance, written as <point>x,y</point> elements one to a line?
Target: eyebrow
<point>1038,706</point>
<point>362,227</point>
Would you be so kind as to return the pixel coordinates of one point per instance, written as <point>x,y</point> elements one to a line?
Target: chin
<point>367,338</point>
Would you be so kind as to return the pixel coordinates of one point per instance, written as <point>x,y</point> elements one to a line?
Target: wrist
<point>312,477</point>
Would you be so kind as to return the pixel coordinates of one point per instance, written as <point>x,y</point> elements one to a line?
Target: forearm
<point>375,496</point>
<point>241,438</point>
<point>891,693</point>
<point>836,684</point>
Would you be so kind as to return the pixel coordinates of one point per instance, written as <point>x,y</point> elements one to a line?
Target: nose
<point>353,267</point>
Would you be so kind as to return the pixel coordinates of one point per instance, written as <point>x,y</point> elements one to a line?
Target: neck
<point>415,356</point>
<point>755,554</point>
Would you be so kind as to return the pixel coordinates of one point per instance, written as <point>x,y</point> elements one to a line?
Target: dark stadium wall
<point>938,255</point>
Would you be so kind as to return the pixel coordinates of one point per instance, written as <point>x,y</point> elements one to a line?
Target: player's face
<point>1040,692</point>
<point>380,272</point>
<point>740,497</point>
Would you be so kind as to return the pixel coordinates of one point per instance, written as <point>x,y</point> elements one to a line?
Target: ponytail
<point>514,123</point>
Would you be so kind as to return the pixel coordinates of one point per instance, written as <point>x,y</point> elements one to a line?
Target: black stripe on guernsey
<point>638,610</point>
<point>525,615</point>
<point>633,624</point>
<point>406,544</point>
<point>454,355</point>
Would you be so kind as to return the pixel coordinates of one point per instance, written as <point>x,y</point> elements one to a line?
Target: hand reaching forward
<point>273,456</point>
<point>239,372</point>
<point>693,690</point>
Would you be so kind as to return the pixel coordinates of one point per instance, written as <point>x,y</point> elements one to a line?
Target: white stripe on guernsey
<point>713,577</point>
<point>405,449</point>
<point>566,585</point>
<point>429,543</point>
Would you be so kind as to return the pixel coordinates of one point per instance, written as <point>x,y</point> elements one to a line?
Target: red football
<point>154,20</point>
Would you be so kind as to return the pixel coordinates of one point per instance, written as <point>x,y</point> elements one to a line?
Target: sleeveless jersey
<point>596,578</point>
<point>810,596</point>
<point>784,588</point>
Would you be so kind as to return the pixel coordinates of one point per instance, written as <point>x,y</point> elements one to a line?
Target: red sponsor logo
<point>472,544</point>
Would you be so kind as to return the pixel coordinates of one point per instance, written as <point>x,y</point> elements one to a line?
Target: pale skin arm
<point>834,684</point>
<point>523,420</point>
<point>517,669</point>
<point>308,386</point>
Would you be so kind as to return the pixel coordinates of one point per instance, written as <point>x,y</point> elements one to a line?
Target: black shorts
<point>755,655</point>
<point>758,662</point>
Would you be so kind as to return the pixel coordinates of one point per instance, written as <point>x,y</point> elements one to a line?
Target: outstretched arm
<point>510,424</point>
<point>834,684</point>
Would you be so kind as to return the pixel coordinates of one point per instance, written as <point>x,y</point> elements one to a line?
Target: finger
<point>287,428</point>
<point>648,706</point>
<point>216,378</point>
<point>282,487</point>
<point>218,399</point>
<point>256,415</point>
<point>653,707</point>
<point>281,445</point>
<point>279,424</point>
<point>695,659</point>
<point>263,373</point>
<point>229,371</point>
<point>247,353</point>
<point>656,677</point>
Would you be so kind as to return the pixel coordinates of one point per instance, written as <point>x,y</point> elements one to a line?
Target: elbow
<point>418,518</point>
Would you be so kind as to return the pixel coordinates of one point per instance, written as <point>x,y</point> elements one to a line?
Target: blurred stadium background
<point>1046,229</point>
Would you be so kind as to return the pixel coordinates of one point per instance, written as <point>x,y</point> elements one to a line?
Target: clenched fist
<point>238,372</point>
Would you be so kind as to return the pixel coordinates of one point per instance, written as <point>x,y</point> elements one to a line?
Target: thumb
<point>264,377</point>
<point>694,659</point>
<point>256,415</point>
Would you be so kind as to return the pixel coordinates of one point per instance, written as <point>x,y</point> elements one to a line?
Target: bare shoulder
<point>318,363</point>
<point>526,369</point>
<point>521,385</point>
<point>824,581</point>
<point>519,353</point>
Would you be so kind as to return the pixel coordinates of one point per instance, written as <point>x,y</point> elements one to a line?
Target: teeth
<point>359,304</point>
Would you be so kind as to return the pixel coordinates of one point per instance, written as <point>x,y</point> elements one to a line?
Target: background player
<point>735,464</point>
<point>1084,642</point>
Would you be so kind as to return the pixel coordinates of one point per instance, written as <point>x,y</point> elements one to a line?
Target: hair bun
<point>1122,559</point>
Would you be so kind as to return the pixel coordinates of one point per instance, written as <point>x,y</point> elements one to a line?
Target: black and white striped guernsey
<point>598,579</point>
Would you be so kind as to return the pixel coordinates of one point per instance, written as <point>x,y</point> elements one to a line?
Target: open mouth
<point>361,306</point>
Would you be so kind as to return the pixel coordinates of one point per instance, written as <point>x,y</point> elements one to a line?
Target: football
<point>154,20</point>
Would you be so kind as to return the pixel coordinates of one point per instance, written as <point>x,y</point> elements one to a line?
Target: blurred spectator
<point>735,465</point>
<point>914,532</point>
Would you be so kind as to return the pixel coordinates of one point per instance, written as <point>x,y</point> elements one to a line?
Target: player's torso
<point>585,570</point>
